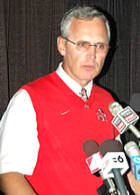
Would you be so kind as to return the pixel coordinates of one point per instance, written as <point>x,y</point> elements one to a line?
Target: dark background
<point>28,32</point>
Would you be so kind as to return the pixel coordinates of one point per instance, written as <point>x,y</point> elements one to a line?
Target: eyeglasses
<point>85,45</point>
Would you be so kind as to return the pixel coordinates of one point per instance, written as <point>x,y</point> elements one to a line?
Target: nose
<point>92,51</point>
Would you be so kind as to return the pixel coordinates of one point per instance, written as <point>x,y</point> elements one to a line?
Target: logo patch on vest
<point>63,113</point>
<point>101,115</point>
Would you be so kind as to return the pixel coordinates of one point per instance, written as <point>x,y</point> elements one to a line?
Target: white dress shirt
<point>19,144</point>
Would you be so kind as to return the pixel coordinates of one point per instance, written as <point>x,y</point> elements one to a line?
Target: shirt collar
<point>73,85</point>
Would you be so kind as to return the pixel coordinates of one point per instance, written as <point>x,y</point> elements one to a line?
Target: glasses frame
<point>86,49</point>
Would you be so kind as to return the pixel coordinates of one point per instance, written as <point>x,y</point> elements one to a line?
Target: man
<point>48,120</point>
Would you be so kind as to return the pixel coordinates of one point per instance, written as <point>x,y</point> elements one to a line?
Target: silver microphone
<point>132,149</point>
<point>124,118</point>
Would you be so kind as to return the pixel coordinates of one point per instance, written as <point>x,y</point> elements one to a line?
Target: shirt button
<point>86,106</point>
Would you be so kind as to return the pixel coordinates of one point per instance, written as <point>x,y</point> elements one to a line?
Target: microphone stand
<point>105,190</point>
<point>108,187</point>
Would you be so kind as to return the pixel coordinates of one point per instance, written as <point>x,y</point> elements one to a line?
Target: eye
<point>84,44</point>
<point>101,46</point>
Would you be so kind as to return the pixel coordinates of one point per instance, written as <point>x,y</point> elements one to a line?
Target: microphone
<point>94,162</point>
<point>132,150</point>
<point>114,161</point>
<point>124,118</point>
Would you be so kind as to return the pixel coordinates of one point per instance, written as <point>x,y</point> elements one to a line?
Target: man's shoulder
<point>100,90</point>
<point>102,95</point>
<point>41,82</point>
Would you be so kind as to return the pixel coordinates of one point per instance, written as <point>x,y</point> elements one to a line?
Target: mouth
<point>89,66</point>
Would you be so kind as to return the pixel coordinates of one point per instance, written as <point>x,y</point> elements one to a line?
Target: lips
<point>89,66</point>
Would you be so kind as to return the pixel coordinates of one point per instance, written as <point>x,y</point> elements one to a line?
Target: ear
<point>61,45</point>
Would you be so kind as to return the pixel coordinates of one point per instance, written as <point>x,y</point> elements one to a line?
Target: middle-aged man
<point>47,120</point>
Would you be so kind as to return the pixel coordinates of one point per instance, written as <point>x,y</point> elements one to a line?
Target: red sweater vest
<point>64,122</point>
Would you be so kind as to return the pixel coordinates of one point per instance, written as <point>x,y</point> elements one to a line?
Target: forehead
<point>92,28</point>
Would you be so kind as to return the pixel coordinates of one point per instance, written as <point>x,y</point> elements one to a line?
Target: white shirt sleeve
<point>19,143</point>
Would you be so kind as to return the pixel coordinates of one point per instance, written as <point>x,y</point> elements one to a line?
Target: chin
<point>91,77</point>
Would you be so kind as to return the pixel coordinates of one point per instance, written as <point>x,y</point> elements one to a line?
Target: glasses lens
<point>83,45</point>
<point>101,46</point>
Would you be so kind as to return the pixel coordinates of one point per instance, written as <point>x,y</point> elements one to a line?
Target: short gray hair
<point>84,13</point>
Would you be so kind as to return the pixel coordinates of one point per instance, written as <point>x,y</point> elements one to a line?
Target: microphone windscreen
<point>90,147</point>
<point>132,149</point>
<point>114,108</point>
<point>110,145</point>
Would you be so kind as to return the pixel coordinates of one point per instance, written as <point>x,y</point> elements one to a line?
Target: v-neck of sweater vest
<point>70,94</point>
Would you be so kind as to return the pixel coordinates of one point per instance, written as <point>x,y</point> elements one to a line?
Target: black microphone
<point>124,118</point>
<point>112,149</point>
<point>90,148</point>
<point>132,150</point>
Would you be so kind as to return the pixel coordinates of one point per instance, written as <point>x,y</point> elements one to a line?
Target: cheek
<point>73,57</point>
<point>101,58</point>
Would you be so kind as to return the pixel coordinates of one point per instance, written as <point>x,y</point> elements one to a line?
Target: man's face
<point>83,66</point>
